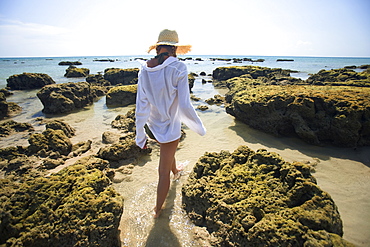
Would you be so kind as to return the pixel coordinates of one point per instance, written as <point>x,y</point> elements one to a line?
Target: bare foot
<point>156,213</point>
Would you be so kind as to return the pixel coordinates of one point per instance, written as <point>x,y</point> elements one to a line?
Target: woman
<point>162,103</point>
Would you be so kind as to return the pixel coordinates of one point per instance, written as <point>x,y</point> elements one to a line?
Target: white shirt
<point>163,102</point>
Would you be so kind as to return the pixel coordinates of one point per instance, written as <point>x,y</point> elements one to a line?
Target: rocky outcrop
<point>97,80</point>
<point>121,95</point>
<point>122,150</point>
<point>60,125</point>
<point>70,63</point>
<point>4,108</point>
<point>29,81</point>
<point>7,109</point>
<point>11,126</point>
<point>225,73</point>
<point>126,147</point>
<point>316,114</point>
<point>66,97</point>
<point>73,71</point>
<point>49,141</point>
<point>216,100</point>
<point>191,80</point>
<point>74,207</point>
<point>121,76</point>
<point>340,77</point>
<point>248,198</point>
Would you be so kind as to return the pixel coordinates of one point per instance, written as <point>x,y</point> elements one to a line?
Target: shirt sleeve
<point>142,114</point>
<point>187,112</point>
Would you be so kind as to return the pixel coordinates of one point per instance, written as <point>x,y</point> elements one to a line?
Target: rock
<point>365,66</point>
<point>202,107</point>
<point>5,92</point>
<point>124,149</point>
<point>4,108</point>
<point>10,126</point>
<point>284,60</point>
<point>49,140</point>
<point>73,71</point>
<point>29,81</point>
<point>110,137</point>
<point>70,63</point>
<point>340,77</point>
<point>248,198</point>
<point>8,109</point>
<point>121,95</point>
<point>92,162</point>
<point>65,97</point>
<point>74,207</point>
<point>125,122</point>
<point>194,98</point>
<point>81,147</point>
<point>97,80</point>
<point>202,73</point>
<point>216,100</point>
<point>191,80</point>
<point>121,76</point>
<point>225,73</point>
<point>60,125</point>
<point>316,114</point>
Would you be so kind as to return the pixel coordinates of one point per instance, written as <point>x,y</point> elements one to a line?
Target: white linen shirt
<point>163,102</point>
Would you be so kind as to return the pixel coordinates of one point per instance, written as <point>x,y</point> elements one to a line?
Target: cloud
<point>19,38</point>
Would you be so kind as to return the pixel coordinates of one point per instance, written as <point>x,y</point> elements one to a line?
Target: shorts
<point>149,132</point>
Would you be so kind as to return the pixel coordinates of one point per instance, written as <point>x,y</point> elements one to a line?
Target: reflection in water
<point>161,233</point>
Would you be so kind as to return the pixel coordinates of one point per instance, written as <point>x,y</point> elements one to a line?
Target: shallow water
<point>343,173</point>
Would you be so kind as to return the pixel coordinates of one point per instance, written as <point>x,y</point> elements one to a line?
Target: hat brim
<point>181,49</point>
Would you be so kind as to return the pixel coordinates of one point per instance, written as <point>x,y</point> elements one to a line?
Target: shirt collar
<point>160,66</point>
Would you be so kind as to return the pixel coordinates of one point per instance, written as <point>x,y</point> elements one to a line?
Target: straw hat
<point>170,37</point>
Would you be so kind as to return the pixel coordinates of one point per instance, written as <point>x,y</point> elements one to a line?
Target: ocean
<point>339,169</point>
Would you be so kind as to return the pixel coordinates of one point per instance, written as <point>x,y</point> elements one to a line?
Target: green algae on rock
<point>73,71</point>
<point>122,95</point>
<point>248,198</point>
<point>338,115</point>
<point>121,76</point>
<point>341,77</point>
<point>74,207</point>
<point>29,81</point>
<point>10,126</point>
<point>66,97</point>
<point>225,73</point>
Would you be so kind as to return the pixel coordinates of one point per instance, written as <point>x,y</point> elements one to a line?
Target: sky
<point>52,28</point>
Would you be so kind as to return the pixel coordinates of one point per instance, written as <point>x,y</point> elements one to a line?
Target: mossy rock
<point>74,207</point>
<point>60,125</point>
<point>49,140</point>
<point>65,97</point>
<point>125,122</point>
<point>341,77</point>
<point>225,73</point>
<point>122,150</point>
<point>73,71</point>
<point>122,95</point>
<point>317,114</point>
<point>29,81</point>
<point>10,126</point>
<point>248,198</point>
<point>121,76</point>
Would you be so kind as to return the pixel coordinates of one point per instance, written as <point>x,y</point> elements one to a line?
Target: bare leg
<point>174,168</point>
<point>166,163</point>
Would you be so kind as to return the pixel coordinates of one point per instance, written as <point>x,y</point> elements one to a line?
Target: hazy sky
<point>232,27</point>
